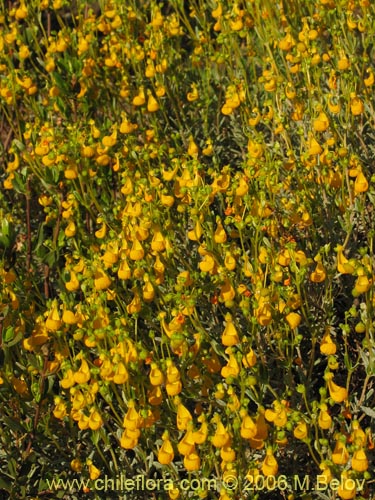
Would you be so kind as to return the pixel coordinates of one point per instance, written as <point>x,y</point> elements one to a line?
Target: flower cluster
<point>187,240</point>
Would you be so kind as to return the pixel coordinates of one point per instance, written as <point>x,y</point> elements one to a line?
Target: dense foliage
<point>187,248</point>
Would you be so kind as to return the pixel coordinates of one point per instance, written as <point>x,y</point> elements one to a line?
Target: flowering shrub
<point>187,245</point>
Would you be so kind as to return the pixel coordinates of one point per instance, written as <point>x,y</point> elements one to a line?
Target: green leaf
<point>8,335</point>
<point>61,84</point>
<point>368,411</point>
<point>15,340</point>
<point>20,145</point>
<point>4,485</point>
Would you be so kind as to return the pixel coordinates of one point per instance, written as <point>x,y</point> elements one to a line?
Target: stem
<point>28,226</point>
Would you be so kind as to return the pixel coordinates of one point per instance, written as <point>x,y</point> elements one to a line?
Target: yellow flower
<point>192,462</point>
<point>249,360</point>
<point>356,105</point>
<point>166,453</point>
<point>340,455</point>
<point>269,465</point>
<point>255,149</point>
<point>73,284</point>
<point>319,275</point>
<point>293,319</point>
<point>173,388</point>
<point>358,436</point>
<point>60,408</point>
<point>334,107</point>
<point>200,436</point>
<point>327,346</point>
<point>132,420</point>
<point>369,81</point>
<point>257,442</point>
<point>156,375</point>
<point>101,280</point>
<point>336,392</point>
<point>220,235</point>
<point>227,454</point>
<point>183,417</point>
<point>326,474</point>
<point>192,148</point>
<point>343,265</point>
<point>227,292</point>
<point>70,230</point>
<point>347,487</point>
<point>76,465</point>
<point>187,443</point>
<point>100,233</point>
<point>155,396</point>
<point>140,98</point>
<point>136,252</point>
<point>321,123</point>
<point>230,261</point>
<point>148,292</point>
<point>124,271</point>
<point>83,374</point>
<point>360,461</point>
<point>69,318</point>
<point>300,432</point>
<point>135,305</point>
<point>263,313</point>
<point>231,369</point>
<point>21,12</point>
<point>120,374</point>
<point>68,380</point>
<point>230,335</point>
<point>287,42</point>
<point>94,472</point>
<point>279,416</point>
<point>20,386</point>
<point>248,427</point>
<point>363,283</point>
<point>221,437</point>
<point>53,322</point>
<point>360,184</point>
<point>314,147</point>
<point>174,493</point>
<point>95,420</point>
<point>128,441</point>
<point>193,95</point>
<point>152,104</point>
<point>196,233</point>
